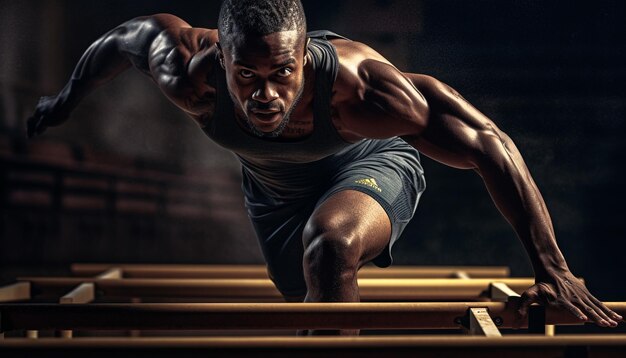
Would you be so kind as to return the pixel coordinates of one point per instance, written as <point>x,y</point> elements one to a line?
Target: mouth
<point>266,116</point>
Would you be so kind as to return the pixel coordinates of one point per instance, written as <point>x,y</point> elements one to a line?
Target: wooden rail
<point>197,316</point>
<point>259,271</point>
<point>370,289</point>
<point>435,346</point>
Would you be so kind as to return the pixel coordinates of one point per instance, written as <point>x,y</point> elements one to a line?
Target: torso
<point>196,47</point>
<point>310,135</point>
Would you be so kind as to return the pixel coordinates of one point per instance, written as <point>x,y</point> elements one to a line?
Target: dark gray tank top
<point>276,172</point>
<point>322,142</point>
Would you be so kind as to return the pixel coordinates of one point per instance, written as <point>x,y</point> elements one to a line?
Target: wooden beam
<point>259,289</point>
<point>195,316</point>
<point>481,323</point>
<point>260,271</point>
<point>19,291</point>
<point>431,346</point>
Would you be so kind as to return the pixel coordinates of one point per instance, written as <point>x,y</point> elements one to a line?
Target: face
<point>265,78</point>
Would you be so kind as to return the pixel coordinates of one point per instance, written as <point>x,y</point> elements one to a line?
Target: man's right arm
<point>125,46</point>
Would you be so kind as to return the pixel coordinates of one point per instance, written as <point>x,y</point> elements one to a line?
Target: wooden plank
<point>432,346</point>
<point>260,271</point>
<point>481,323</point>
<point>197,316</point>
<point>19,291</point>
<point>370,289</point>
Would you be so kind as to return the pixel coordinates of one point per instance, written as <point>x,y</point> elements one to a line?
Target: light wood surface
<point>435,346</point>
<point>369,289</point>
<point>259,271</point>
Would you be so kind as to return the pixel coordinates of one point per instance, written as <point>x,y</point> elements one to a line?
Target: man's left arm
<point>440,123</point>
<point>457,134</point>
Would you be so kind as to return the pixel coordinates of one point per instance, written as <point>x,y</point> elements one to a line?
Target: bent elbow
<point>496,152</point>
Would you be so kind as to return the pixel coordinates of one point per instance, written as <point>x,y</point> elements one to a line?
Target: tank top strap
<point>326,66</point>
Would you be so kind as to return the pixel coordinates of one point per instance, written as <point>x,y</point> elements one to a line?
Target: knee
<point>332,250</point>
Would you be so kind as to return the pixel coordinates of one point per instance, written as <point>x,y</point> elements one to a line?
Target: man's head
<point>263,49</point>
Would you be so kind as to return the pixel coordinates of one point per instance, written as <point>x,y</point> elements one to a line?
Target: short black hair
<point>260,17</point>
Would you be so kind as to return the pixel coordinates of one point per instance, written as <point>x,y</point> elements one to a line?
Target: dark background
<point>550,74</point>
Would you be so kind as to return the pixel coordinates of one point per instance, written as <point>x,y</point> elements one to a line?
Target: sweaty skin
<point>371,99</point>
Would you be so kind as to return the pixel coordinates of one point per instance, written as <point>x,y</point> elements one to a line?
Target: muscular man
<point>328,133</point>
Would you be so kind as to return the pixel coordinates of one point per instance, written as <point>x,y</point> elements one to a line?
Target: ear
<point>220,54</point>
<point>306,52</point>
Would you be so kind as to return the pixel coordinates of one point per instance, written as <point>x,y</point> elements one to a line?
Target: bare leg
<point>348,230</point>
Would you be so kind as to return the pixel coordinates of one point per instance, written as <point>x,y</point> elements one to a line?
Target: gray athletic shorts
<point>391,174</point>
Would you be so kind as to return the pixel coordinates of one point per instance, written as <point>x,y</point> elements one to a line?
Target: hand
<point>47,113</point>
<point>564,290</point>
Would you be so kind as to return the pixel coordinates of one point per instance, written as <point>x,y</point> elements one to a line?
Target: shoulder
<point>178,43</point>
<point>374,95</point>
<point>181,59</point>
<point>364,72</point>
<point>355,62</point>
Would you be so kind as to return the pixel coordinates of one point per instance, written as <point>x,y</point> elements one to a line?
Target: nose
<point>265,93</point>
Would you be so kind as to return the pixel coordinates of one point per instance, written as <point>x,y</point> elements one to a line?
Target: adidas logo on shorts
<point>371,182</point>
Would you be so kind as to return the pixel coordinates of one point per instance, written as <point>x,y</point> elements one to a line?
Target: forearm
<point>113,53</point>
<point>516,195</point>
<point>99,64</point>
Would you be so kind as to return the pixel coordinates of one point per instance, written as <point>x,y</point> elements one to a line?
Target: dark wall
<point>550,74</point>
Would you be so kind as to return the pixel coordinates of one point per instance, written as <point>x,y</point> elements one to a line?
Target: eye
<point>284,72</point>
<point>246,73</point>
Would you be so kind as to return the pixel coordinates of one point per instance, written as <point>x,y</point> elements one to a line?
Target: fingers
<point>606,310</point>
<point>597,315</point>
<point>579,303</point>
<point>529,297</point>
<point>35,126</point>
<point>574,310</point>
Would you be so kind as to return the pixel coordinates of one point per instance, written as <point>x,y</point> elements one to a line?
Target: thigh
<point>382,186</point>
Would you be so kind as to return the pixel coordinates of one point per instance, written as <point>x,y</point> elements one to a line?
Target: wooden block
<point>110,274</point>
<point>83,293</point>
<point>15,292</point>
<point>501,292</point>
<point>481,323</point>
